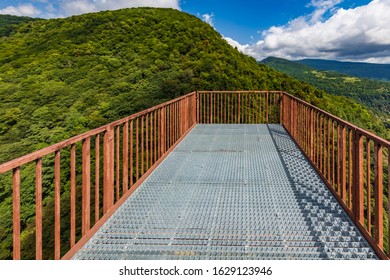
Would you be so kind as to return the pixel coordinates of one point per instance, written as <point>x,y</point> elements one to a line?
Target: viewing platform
<point>208,175</point>
<point>230,192</point>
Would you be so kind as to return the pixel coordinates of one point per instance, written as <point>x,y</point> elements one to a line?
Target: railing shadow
<point>320,209</point>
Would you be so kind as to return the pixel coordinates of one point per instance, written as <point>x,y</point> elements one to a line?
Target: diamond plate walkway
<point>230,192</point>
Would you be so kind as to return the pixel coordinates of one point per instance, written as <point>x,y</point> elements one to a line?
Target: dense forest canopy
<point>61,77</point>
<point>9,23</point>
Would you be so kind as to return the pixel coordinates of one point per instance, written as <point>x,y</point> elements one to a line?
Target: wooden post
<point>358,181</point>
<point>86,186</point>
<point>16,212</point>
<point>108,162</point>
<point>38,209</point>
<point>378,195</point>
<point>97,178</point>
<point>72,195</point>
<point>125,172</point>
<point>57,199</point>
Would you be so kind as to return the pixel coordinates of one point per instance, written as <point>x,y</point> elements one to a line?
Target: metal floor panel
<point>230,192</point>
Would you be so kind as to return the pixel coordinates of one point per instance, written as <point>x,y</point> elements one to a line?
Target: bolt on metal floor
<point>230,192</point>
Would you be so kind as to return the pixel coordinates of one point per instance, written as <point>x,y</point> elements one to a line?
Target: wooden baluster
<point>16,212</point>
<point>86,185</point>
<point>125,155</point>
<point>358,181</point>
<point>378,171</point>
<point>108,188</point>
<point>38,209</point>
<point>369,222</point>
<point>72,195</point>
<point>57,212</point>
<point>97,178</point>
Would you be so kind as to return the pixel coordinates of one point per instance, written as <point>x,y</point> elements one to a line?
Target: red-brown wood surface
<point>97,178</point>
<point>358,180</point>
<point>131,153</point>
<point>125,160</point>
<point>378,188</point>
<point>38,209</point>
<point>117,163</point>
<point>72,195</point>
<point>108,166</point>
<point>137,149</point>
<point>388,200</point>
<point>16,212</point>
<point>86,186</point>
<point>57,199</point>
<point>368,149</point>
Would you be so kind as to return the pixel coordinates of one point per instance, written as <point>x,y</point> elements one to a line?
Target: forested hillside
<point>61,77</point>
<point>9,23</point>
<point>372,93</point>
<point>358,69</point>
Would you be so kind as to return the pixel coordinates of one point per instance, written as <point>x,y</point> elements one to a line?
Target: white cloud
<point>322,7</point>
<point>359,34</point>
<point>209,18</point>
<point>21,10</point>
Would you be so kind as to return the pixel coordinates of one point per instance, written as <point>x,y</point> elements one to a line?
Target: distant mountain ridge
<point>372,93</point>
<point>357,69</point>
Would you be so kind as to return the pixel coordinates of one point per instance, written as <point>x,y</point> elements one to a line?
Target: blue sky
<point>244,20</point>
<point>350,30</point>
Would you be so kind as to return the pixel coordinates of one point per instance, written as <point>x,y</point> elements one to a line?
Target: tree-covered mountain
<point>9,23</point>
<point>357,69</point>
<point>372,93</point>
<point>61,77</point>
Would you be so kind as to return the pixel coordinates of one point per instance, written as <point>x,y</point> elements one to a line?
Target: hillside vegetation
<point>9,23</point>
<point>61,77</point>
<point>372,93</point>
<point>358,69</point>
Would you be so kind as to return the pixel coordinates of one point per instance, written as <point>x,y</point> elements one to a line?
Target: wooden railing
<point>239,107</point>
<point>105,162</point>
<point>351,161</point>
<point>104,166</point>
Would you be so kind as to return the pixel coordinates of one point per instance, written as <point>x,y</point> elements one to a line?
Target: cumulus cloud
<point>209,18</point>
<point>21,10</point>
<point>359,34</point>
<point>61,8</point>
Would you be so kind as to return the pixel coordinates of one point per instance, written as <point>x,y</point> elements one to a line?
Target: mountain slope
<point>61,77</point>
<point>9,23</point>
<point>357,69</point>
<point>372,93</point>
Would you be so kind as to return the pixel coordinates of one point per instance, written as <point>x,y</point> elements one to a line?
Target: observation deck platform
<point>230,191</point>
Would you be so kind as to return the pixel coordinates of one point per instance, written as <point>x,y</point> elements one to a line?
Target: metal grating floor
<point>230,192</point>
